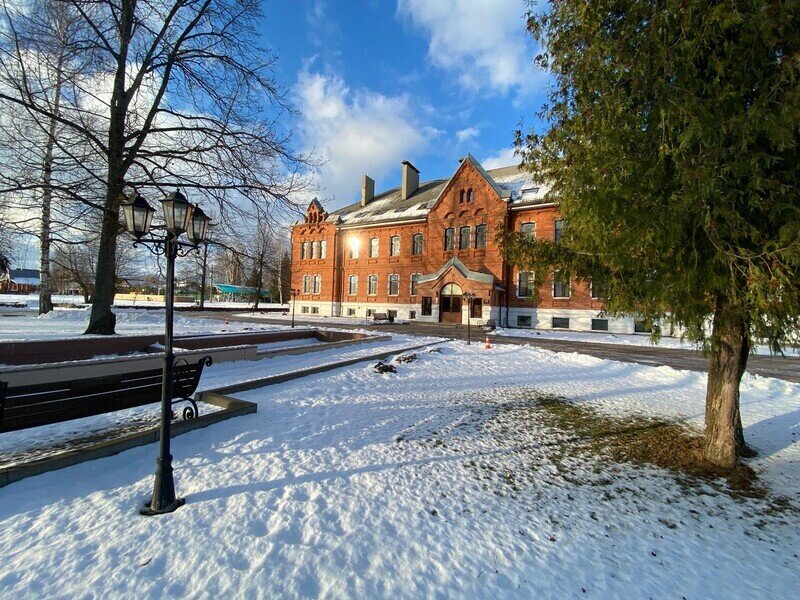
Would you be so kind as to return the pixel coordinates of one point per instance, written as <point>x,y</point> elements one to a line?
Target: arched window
<point>416,244</point>
<point>394,245</point>
<point>317,284</point>
<point>414,280</point>
<point>306,284</point>
<point>461,197</point>
<point>373,247</point>
<point>372,285</point>
<point>451,289</point>
<point>394,284</point>
<point>352,285</point>
<point>469,195</point>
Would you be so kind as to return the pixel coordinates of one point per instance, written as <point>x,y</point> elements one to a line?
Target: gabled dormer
<point>315,213</point>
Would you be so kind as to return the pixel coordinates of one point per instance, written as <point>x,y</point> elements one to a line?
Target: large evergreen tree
<point>671,141</point>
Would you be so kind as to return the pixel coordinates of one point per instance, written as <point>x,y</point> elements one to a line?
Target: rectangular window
<point>449,238</point>
<point>394,285</point>
<point>370,313</point>
<point>306,284</point>
<point>560,285</point>
<point>303,250</point>
<point>463,238</point>
<point>352,285</point>
<point>373,247</point>
<point>523,320</point>
<point>416,244</point>
<point>313,250</point>
<point>558,230</point>
<point>317,284</point>
<point>642,327</point>
<point>524,284</point>
<point>351,312</point>
<point>560,323</point>
<point>394,245</point>
<point>598,287</point>
<point>477,308</point>
<point>372,285</point>
<point>480,236</point>
<point>315,310</point>
<point>427,306</point>
<point>414,279</point>
<point>323,246</point>
<point>412,314</point>
<point>599,324</point>
<point>528,229</point>
<point>304,310</point>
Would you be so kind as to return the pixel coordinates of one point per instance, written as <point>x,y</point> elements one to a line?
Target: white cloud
<point>465,135</point>
<point>501,158</point>
<point>483,42</point>
<point>356,132</point>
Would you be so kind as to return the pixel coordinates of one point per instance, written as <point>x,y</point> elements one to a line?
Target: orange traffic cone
<point>487,345</point>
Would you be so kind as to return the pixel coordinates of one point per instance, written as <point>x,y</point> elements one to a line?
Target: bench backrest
<point>43,404</point>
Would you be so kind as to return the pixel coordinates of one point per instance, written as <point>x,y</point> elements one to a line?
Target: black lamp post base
<point>150,512</point>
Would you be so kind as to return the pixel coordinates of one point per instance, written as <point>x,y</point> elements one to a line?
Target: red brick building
<point>412,252</point>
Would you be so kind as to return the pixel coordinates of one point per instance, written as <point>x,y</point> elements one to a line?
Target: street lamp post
<point>294,292</point>
<point>469,297</point>
<point>179,217</point>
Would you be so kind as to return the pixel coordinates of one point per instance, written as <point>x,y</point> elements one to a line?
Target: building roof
<point>461,268</point>
<point>227,288</point>
<point>511,183</point>
<point>24,276</point>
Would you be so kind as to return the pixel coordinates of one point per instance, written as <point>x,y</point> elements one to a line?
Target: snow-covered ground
<point>66,323</point>
<point>418,484</point>
<point>636,339</point>
<point>31,302</point>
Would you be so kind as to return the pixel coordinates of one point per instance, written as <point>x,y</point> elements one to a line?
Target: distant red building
<point>413,251</point>
<point>20,281</point>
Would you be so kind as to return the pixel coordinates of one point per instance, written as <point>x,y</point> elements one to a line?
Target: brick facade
<point>470,198</point>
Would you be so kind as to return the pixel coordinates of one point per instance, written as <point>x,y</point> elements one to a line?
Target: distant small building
<point>21,281</point>
<point>239,293</point>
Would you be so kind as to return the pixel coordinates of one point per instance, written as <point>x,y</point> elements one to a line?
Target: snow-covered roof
<point>515,185</point>
<point>461,268</point>
<point>23,276</point>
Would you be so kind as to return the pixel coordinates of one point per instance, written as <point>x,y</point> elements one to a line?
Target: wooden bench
<point>27,406</point>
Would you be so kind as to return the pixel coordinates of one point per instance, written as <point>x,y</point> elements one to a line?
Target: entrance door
<point>450,304</point>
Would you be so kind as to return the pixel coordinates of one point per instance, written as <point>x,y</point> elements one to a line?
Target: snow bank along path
<point>354,484</point>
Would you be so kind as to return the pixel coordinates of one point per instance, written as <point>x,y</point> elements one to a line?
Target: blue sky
<point>380,81</point>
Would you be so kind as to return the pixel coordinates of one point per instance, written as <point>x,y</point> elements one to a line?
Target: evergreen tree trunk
<point>724,442</point>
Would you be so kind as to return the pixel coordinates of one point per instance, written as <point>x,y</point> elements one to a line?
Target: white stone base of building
<point>568,320</point>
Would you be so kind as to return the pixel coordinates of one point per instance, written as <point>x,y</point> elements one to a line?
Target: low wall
<point>149,298</point>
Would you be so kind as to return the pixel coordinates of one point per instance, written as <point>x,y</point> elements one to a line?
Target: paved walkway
<point>692,360</point>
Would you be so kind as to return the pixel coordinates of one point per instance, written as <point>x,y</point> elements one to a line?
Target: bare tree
<point>181,94</point>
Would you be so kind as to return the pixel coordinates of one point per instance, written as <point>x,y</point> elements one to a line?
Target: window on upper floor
<point>323,247</point>
<point>414,280</point>
<point>470,197</point>
<point>373,247</point>
<point>307,284</point>
<point>558,230</point>
<point>463,237</point>
<point>524,284</point>
<point>560,285</point>
<point>461,196</point>
<point>352,285</point>
<point>417,244</point>
<point>394,284</point>
<point>303,250</point>
<point>528,229</point>
<point>372,285</point>
<point>317,284</point>
<point>394,245</point>
<point>480,236</point>
<point>313,250</point>
<point>352,247</point>
<point>598,287</point>
<point>449,238</point>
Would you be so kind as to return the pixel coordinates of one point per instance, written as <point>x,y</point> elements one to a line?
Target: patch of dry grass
<point>643,440</point>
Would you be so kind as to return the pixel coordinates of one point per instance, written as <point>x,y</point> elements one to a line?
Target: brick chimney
<point>410,180</point>
<point>367,189</point>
